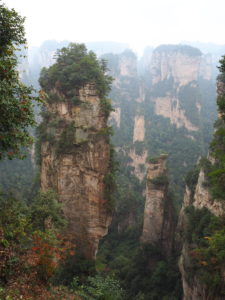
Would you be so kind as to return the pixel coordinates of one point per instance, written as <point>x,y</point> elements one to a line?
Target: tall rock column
<point>76,159</point>
<point>159,222</point>
<point>75,164</point>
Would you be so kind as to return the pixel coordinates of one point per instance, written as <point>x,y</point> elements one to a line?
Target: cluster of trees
<point>34,249</point>
<point>205,235</point>
<point>75,67</point>
<point>16,100</point>
<point>30,230</point>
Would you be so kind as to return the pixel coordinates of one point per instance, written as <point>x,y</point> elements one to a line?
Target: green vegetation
<point>25,230</point>
<point>74,68</point>
<point>163,88</point>
<point>34,254</point>
<point>100,288</point>
<point>215,172</point>
<point>110,181</point>
<point>204,232</point>
<point>16,100</point>
<point>185,49</point>
<point>161,180</point>
<point>206,237</point>
<point>192,179</point>
<point>189,97</point>
<point>67,138</point>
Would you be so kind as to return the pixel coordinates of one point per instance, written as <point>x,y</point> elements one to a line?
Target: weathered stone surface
<point>77,174</point>
<point>128,66</point>
<point>169,107</point>
<point>115,116</point>
<point>137,162</point>
<point>202,197</point>
<point>139,128</point>
<point>193,288</point>
<point>179,69</point>
<point>182,67</point>
<point>159,222</point>
<point>206,67</point>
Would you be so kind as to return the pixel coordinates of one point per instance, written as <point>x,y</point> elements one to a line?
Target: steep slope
<point>168,109</point>
<point>175,72</point>
<point>202,220</point>
<point>159,218</point>
<point>75,150</point>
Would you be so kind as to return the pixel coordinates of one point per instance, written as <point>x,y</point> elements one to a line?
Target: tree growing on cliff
<point>16,100</point>
<point>76,66</point>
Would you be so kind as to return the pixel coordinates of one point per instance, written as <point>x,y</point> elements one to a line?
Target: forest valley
<point>112,177</point>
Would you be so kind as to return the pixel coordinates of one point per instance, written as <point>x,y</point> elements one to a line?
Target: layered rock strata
<point>173,69</point>
<point>75,163</point>
<point>159,225</point>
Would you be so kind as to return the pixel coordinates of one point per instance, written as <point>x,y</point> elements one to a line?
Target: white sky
<point>136,22</point>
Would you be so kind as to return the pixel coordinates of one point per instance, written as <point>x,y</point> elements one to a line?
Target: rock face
<point>159,222</point>
<point>116,116</point>
<point>169,107</point>
<point>202,197</point>
<point>139,129</point>
<point>173,61</point>
<point>174,69</point>
<point>75,163</point>
<point>138,163</point>
<point>196,290</point>
<point>192,287</point>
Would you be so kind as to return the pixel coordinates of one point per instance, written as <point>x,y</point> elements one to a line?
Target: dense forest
<point>93,149</point>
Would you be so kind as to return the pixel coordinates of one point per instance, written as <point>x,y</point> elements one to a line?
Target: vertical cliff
<point>75,152</point>
<point>159,223</point>
<point>201,221</point>
<point>175,71</point>
<point>199,208</point>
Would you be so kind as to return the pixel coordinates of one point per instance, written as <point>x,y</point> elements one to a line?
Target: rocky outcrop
<point>206,67</point>
<point>179,62</point>
<point>193,288</point>
<point>139,129</point>
<point>169,107</point>
<point>174,68</point>
<point>128,64</point>
<point>202,197</point>
<point>75,163</point>
<point>138,163</point>
<point>159,225</point>
<point>115,116</point>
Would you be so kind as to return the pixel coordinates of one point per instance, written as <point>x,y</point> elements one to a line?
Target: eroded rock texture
<point>175,73</point>
<point>193,287</point>
<point>159,222</point>
<point>75,163</point>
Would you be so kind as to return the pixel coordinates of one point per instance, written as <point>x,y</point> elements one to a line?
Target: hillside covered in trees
<point>111,173</point>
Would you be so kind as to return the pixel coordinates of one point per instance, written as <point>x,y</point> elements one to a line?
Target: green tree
<point>101,288</point>
<point>16,100</point>
<point>75,66</point>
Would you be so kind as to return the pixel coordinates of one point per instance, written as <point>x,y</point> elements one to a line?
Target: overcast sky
<point>136,22</point>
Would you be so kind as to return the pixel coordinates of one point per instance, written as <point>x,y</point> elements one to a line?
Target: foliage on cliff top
<point>216,174</point>
<point>16,107</point>
<point>75,67</point>
<point>184,49</point>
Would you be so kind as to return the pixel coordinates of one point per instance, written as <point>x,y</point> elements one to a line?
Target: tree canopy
<point>16,100</point>
<point>75,66</point>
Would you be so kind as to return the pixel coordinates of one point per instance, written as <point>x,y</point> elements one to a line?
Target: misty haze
<point>112,150</point>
